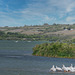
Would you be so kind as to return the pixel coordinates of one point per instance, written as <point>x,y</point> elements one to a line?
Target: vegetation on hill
<point>55,32</point>
<point>35,37</point>
<point>55,49</point>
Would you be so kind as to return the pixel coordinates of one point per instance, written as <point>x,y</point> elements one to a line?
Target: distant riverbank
<point>55,32</point>
<point>57,49</point>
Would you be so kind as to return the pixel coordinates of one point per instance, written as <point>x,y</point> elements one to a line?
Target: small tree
<point>45,24</point>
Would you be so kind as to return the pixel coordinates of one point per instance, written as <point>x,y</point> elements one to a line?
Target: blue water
<point>17,59</point>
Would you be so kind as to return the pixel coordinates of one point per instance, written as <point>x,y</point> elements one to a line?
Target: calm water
<point>16,59</point>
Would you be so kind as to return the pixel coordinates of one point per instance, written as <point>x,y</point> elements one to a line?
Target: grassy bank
<point>57,49</point>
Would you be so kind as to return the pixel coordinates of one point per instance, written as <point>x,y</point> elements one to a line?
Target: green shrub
<point>56,49</point>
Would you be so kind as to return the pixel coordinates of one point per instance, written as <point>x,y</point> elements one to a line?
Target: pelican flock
<point>63,69</point>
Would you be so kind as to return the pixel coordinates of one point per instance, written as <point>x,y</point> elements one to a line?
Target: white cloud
<point>70,19</point>
<point>62,7</point>
<point>71,7</point>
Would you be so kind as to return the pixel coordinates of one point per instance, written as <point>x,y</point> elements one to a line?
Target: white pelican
<point>74,67</point>
<point>53,69</point>
<point>71,67</point>
<point>58,69</point>
<point>68,69</point>
<point>72,70</point>
<point>64,68</point>
<point>16,41</point>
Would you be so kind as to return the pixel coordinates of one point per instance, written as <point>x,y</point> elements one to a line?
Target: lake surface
<point>16,59</point>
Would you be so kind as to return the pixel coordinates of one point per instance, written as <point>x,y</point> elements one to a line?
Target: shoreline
<point>55,57</point>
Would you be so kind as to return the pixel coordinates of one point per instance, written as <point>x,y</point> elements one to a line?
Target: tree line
<point>34,37</point>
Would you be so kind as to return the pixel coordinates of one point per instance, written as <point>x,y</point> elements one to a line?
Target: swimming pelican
<point>58,69</point>
<point>53,69</point>
<point>16,41</point>
<point>74,67</point>
<point>72,70</point>
<point>71,67</point>
<point>64,68</point>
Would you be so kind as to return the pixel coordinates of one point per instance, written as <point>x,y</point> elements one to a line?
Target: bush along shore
<point>55,49</point>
